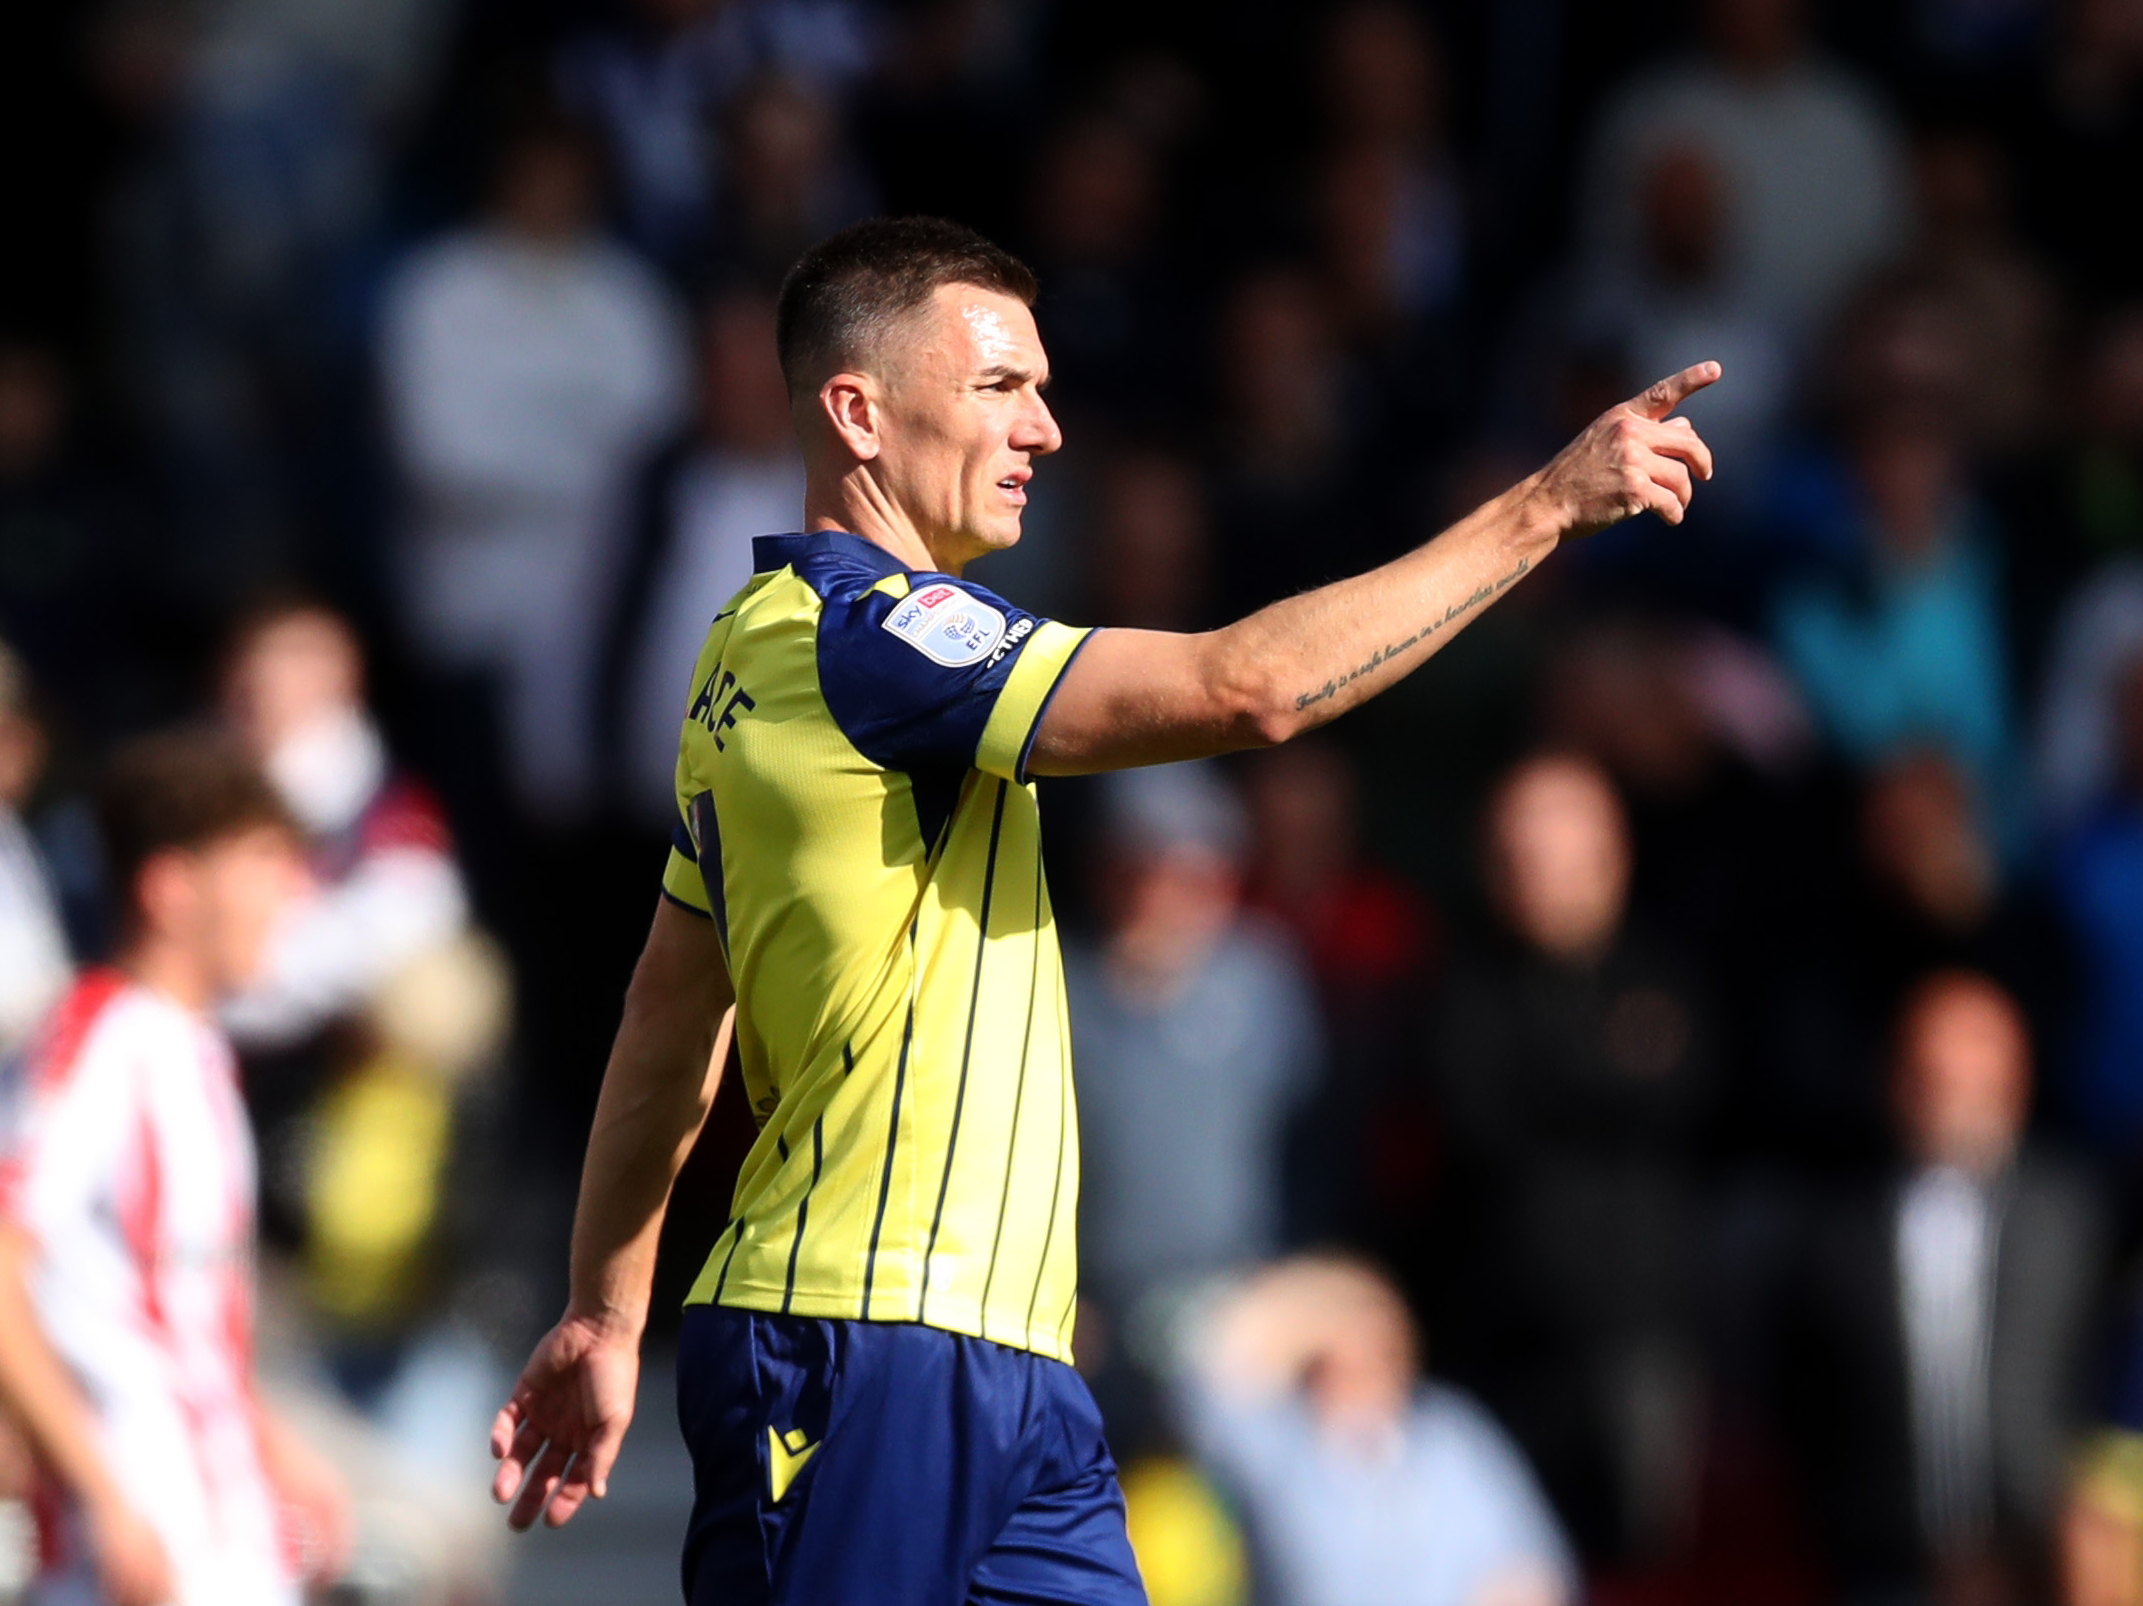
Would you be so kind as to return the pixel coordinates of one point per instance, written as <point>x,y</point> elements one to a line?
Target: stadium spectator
<point>1392,211</point>
<point>1674,295</point>
<point>1372,944</point>
<point>657,77</point>
<point>1939,1324</point>
<point>1905,639</point>
<point>1815,188</point>
<point>1936,896</point>
<point>1198,1041</point>
<point>2100,632</point>
<point>1290,418</point>
<point>2099,883</point>
<point>1965,248</point>
<point>1096,198</point>
<point>35,966</point>
<point>2100,1559</point>
<point>527,365</point>
<point>1572,1059</point>
<point>698,503</point>
<point>1359,1479</point>
<point>376,1003</point>
<point>126,1251</point>
<point>787,179</point>
<point>388,891</point>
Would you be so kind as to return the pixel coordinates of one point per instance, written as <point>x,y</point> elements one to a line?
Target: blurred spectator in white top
<point>1198,1039</point>
<point>527,363</point>
<point>1300,1388</point>
<point>658,78</point>
<point>699,504</point>
<point>1814,181</point>
<point>387,887</point>
<point>34,964</point>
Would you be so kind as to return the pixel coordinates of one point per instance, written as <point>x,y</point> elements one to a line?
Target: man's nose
<point>1037,432</point>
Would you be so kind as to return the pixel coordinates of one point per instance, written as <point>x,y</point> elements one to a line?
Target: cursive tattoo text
<point>1384,655</point>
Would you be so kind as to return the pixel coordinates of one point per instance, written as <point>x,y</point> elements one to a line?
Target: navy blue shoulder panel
<point>831,562</point>
<point>912,680</point>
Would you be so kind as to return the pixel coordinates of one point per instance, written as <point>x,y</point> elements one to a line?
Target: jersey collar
<point>771,552</point>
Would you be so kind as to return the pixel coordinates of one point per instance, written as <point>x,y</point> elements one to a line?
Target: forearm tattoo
<point>1384,655</point>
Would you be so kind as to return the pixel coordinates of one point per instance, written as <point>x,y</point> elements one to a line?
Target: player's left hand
<point>556,1438</point>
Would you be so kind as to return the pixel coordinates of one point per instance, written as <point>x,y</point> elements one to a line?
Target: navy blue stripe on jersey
<point>710,836</point>
<point>803,1207</point>
<point>892,1143</point>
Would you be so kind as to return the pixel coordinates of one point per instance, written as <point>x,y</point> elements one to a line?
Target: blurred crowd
<point>1649,1110</point>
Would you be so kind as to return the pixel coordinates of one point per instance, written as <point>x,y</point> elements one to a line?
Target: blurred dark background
<point>1711,994</point>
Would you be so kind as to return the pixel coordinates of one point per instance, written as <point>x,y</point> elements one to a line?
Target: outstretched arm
<point>1151,697</point>
<point>556,1438</point>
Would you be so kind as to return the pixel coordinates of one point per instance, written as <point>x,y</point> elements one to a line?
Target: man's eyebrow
<point>1003,370</point>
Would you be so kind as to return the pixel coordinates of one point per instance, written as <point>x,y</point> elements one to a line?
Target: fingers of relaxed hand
<point>505,1425</point>
<point>600,1455</point>
<point>513,1467</point>
<point>574,1488</point>
<point>1661,399</point>
<point>542,1482</point>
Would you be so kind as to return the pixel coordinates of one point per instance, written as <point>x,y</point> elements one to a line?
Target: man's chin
<point>1001,535</point>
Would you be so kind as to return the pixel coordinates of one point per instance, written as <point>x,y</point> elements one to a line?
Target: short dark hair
<point>845,290</point>
<point>175,791</point>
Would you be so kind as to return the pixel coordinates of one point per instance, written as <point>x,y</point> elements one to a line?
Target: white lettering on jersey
<point>946,625</point>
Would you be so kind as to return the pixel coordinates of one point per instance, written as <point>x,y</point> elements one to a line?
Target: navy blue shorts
<point>887,1464</point>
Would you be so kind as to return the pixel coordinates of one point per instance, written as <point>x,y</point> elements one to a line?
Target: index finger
<point>1661,399</point>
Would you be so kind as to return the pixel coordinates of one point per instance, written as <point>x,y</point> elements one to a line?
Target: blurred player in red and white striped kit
<point>126,1223</point>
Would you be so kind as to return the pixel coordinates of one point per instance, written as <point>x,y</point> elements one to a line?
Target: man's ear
<point>852,407</point>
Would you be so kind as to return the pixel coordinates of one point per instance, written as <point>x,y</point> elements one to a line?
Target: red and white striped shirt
<point>125,1154</point>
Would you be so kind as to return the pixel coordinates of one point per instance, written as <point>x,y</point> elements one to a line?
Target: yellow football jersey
<point>858,823</point>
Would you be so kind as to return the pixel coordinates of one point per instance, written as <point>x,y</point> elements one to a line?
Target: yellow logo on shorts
<point>786,1454</point>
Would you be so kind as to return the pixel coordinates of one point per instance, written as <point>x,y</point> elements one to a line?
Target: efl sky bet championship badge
<point>947,626</point>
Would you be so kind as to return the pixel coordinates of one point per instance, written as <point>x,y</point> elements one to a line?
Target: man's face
<point>964,420</point>
<point>1963,1081</point>
<point>225,900</point>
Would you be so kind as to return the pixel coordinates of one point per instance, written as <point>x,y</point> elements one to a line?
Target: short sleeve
<point>682,882</point>
<point>925,671</point>
<point>59,1135</point>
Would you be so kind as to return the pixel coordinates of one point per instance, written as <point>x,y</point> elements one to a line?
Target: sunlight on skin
<point>993,344</point>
